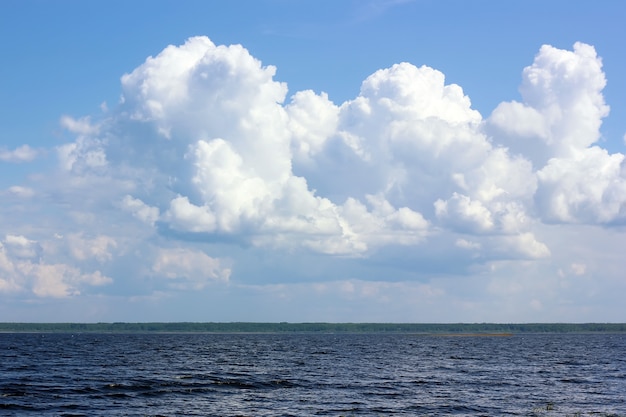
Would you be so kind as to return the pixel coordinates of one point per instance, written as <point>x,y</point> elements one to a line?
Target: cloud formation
<point>556,127</point>
<point>214,120</point>
<point>24,268</point>
<point>206,151</point>
<point>406,158</point>
<point>188,268</point>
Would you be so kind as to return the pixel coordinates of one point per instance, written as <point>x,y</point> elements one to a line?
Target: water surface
<point>311,375</point>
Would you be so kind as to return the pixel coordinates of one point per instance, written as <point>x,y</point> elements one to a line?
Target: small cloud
<point>578,268</point>
<point>25,269</point>
<point>21,192</point>
<point>60,280</point>
<point>85,248</point>
<point>80,126</point>
<point>467,244</point>
<point>22,153</point>
<point>20,247</point>
<point>189,268</point>
<point>140,210</point>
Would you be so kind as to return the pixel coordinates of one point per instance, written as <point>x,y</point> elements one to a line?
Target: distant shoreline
<point>473,334</point>
<point>441,329</point>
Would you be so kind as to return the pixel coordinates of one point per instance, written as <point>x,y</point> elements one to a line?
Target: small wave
<point>15,406</point>
<point>574,380</point>
<point>252,384</point>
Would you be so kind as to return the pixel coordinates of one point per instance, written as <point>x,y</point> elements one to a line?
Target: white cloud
<point>405,127</point>
<point>140,210</point>
<point>313,120</point>
<point>465,214</point>
<point>566,87</point>
<point>189,268</point>
<point>205,155</point>
<point>467,244</point>
<point>22,153</point>
<point>217,114</point>
<point>20,247</point>
<point>556,127</point>
<point>185,216</point>
<point>24,269</point>
<point>59,280</point>
<point>227,157</point>
<point>563,105</point>
<point>589,188</point>
<point>98,247</point>
<point>21,192</point>
<point>81,126</point>
<point>8,282</point>
<point>525,245</point>
<point>82,156</point>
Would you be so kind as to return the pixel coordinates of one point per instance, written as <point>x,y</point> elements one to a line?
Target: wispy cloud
<point>23,153</point>
<point>371,9</point>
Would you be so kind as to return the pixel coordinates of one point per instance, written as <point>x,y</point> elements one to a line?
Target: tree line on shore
<point>284,327</point>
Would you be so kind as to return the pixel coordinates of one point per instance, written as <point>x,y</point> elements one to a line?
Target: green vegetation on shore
<point>249,327</point>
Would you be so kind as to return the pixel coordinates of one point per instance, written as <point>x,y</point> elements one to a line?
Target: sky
<point>312,161</point>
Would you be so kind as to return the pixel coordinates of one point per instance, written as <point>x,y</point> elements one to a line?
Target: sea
<point>312,374</point>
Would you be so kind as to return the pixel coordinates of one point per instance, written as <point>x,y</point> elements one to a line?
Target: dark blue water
<point>311,375</point>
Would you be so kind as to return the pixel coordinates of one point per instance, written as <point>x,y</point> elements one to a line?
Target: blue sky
<point>409,161</point>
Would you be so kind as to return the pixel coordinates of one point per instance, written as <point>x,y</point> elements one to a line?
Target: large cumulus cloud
<point>557,127</point>
<point>207,146</point>
<point>225,155</point>
<point>208,125</point>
